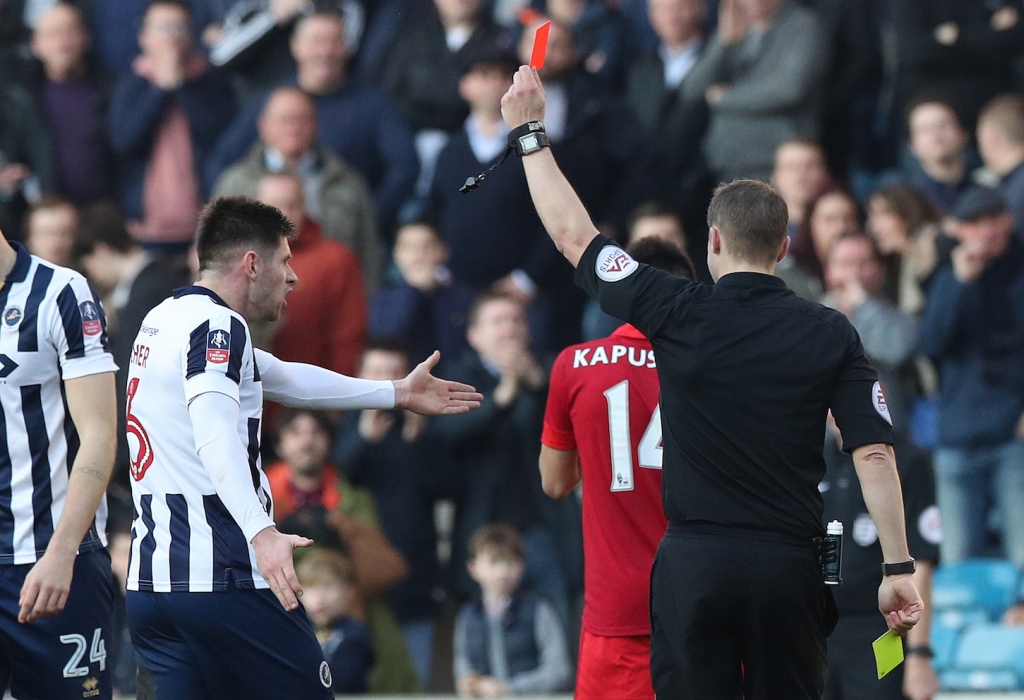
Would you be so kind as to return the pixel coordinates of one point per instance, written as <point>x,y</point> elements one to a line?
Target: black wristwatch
<point>924,651</point>
<point>903,567</point>
<point>528,138</point>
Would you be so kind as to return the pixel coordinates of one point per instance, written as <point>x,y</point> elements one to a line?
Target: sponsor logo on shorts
<point>91,687</point>
<point>614,264</point>
<point>325,674</point>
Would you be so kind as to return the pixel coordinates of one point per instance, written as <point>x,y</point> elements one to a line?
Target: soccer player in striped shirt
<point>57,436</point>
<point>603,425</point>
<point>212,594</point>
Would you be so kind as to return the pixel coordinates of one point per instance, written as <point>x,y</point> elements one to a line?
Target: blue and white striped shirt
<point>183,537</point>
<point>52,329</point>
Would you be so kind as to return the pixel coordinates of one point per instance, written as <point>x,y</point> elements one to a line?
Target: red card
<point>540,46</point>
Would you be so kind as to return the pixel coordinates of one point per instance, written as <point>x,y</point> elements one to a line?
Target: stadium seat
<point>944,642</point>
<point>986,658</point>
<point>959,618</point>
<point>990,584</point>
<point>978,680</point>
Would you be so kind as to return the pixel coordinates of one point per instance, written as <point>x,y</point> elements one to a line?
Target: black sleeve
<point>858,404</point>
<point>924,530</point>
<point>630,291</point>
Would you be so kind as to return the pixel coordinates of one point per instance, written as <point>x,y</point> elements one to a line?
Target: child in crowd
<point>509,641</point>
<point>425,308</point>
<point>333,603</point>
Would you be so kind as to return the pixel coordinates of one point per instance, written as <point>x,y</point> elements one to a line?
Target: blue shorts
<point>227,645</point>
<point>62,657</point>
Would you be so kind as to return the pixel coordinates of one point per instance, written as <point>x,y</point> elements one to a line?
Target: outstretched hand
<point>900,603</point>
<point>524,101</point>
<point>423,393</point>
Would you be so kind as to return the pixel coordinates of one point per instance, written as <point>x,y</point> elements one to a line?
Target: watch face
<point>529,142</point>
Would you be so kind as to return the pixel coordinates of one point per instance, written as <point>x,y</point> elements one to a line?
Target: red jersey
<point>603,401</point>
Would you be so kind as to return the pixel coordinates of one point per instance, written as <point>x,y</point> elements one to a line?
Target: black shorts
<point>851,662</point>
<point>737,613</point>
<point>62,657</point>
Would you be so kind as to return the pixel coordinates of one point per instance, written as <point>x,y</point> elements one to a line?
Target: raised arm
<point>898,598</point>
<point>307,386</point>
<point>93,409</point>
<point>558,205</point>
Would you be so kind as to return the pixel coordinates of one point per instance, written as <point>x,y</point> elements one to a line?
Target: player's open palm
<point>46,587</point>
<point>423,393</point>
<point>274,559</point>
<point>900,603</point>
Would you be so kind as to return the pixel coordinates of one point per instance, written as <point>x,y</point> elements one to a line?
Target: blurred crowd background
<point>894,129</point>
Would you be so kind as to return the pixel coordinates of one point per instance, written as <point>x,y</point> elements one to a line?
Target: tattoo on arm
<point>90,471</point>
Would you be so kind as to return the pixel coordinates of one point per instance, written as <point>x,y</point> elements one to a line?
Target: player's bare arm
<point>561,210</point>
<point>559,471</point>
<point>93,407</point>
<point>898,598</point>
<point>306,386</point>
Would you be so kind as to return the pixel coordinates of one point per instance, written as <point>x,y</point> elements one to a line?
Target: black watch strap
<point>903,567</point>
<point>528,138</point>
<point>924,651</point>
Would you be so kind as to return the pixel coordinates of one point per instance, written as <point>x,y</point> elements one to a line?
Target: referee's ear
<point>784,251</point>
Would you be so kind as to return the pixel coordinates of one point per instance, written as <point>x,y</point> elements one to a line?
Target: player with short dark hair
<point>603,425</point>
<point>57,435</point>
<point>212,594</point>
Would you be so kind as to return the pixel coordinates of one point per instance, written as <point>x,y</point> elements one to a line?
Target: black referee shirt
<point>748,373</point>
<point>862,552</point>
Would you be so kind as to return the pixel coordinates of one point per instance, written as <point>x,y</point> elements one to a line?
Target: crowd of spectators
<point>894,130</point>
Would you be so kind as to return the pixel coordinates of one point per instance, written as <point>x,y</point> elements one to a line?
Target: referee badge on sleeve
<point>614,264</point>
<point>218,346</point>
<point>878,401</point>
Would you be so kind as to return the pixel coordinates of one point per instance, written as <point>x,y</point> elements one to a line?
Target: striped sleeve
<point>78,328</point>
<point>214,355</point>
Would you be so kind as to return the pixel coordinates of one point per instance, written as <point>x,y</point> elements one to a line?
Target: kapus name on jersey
<point>638,357</point>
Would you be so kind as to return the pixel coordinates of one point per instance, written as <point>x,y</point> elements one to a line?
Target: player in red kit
<point>603,424</point>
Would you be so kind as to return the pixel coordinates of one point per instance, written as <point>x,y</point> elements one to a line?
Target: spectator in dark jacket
<point>493,233</point>
<point>602,35</point>
<point>938,142</point>
<point>973,328</point>
<point>165,116</point>
<point>496,449</point>
<point>674,124</point>
<point>72,94</point>
<point>1001,142</point>
<point>114,25</point>
<point>360,124</point>
<point>963,48</point>
<point>425,64</point>
<point>761,77</point>
<point>426,308</point>
<point>407,471</point>
<point>50,230</point>
<point>26,171</point>
<point>131,283</point>
<point>595,136</point>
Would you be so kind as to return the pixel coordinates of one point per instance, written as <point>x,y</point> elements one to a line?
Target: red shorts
<point>614,667</point>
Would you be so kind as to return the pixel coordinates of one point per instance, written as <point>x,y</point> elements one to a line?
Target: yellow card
<point>888,653</point>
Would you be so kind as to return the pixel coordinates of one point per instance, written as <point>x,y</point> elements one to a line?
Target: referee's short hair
<point>228,224</point>
<point>752,218</point>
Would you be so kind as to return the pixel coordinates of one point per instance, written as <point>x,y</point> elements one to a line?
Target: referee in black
<point>748,374</point>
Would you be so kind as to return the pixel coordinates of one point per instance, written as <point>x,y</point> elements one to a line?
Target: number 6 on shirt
<point>648,451</point>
